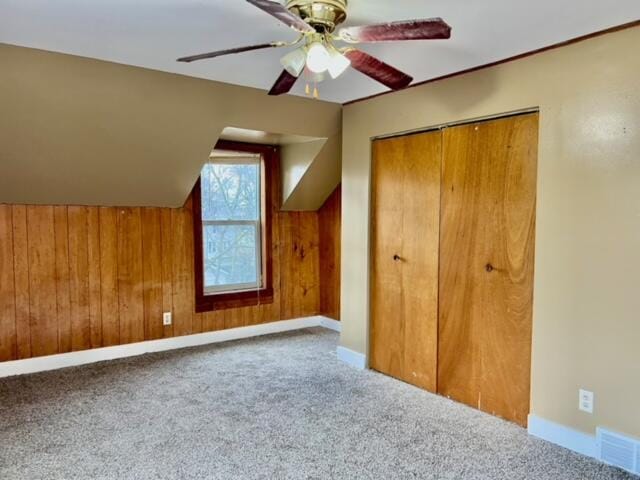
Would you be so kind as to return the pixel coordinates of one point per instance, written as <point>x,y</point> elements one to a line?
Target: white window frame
<point>244,158</point>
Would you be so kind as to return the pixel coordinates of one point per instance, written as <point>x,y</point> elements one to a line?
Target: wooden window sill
<point>222,301</point>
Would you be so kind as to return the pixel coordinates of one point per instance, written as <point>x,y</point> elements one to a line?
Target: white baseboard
<point>354,359</point>
<point>331,324</point>
<point>566,437</point>
<point>72,359</point>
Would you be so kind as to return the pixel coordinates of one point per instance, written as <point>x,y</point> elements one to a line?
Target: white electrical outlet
<point>585,401</point>
<point>166,318</point>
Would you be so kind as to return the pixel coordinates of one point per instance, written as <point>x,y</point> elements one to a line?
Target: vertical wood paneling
<point>152,273</point>
<point>63,291</point>
<point>253,315</point>
<point>75,277</point>
<point>79,277</point>
<point>183,294</point>
<point>231,318</point>
<point>242,316</point>
<point>288,250</point>
<point>308,264</point>
<point>299,264</point>
<point>93,254</point>
<point>110,306</point>
<point>271,311</point>
<point>187,265</point>
<point>329,232</point>
<point>212,321</point>
<point>235,317</point>
<point>21,279</point>
<point>130,282</point>
<point>8,346</point>
<point>42,286</point>
<point>167,267</point>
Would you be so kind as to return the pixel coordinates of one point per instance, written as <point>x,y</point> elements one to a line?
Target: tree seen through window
<point>231,191</point>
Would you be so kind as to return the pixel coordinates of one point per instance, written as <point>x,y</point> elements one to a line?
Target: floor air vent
<point>619,450</point>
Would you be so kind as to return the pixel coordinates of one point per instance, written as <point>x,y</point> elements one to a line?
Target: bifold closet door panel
<point>404,275</point>
<point>486,264</point>
<point>386,336</point>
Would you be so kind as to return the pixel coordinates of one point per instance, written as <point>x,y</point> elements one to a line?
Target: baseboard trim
<point>563,436</point>
<point>72,359</point>
<point>355,359</point>
<point>331,324</point>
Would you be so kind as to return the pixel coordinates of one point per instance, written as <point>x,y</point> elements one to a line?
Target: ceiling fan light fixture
<point>338,63</point>
<point>318,58</point>
<point>316,22</point>
<point>294,62</point>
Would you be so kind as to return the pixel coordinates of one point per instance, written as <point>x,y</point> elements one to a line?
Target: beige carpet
<point>277,407</point>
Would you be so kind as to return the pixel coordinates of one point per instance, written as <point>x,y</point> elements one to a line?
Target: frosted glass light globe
<point>338,63</point>
<point>294,62</point>
<point>318,58</point>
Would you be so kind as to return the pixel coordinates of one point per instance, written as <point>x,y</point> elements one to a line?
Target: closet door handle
<point>489,268</point>
<point>396,258</point>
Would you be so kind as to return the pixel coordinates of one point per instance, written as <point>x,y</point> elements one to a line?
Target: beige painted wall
<point>587,297</point>
<point>80,131</point>
<point>311,183</point>
<point>295,159</point>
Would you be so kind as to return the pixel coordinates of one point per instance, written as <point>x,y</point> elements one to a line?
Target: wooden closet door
<point>486,264</point>
<point>405,237</point>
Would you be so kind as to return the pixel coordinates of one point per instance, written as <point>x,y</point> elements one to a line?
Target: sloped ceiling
<point>311,170</point>
<point>311,173</point>
<point>81,131</point>
<point>153,33</point>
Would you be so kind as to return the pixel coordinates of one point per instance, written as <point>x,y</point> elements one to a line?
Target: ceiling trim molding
<point>520,56</point>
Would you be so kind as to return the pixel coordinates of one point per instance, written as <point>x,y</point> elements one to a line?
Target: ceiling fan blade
<point>428,29</point>
<point>284,83</point>
<point>378,70</point>
<point>279,11</point>
<point>230,51</point>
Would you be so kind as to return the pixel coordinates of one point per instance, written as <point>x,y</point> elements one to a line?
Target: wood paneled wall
<point>74,278</point>
<point>329,218</point>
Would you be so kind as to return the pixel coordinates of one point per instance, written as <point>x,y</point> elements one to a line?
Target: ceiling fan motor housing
<point>323,15</point>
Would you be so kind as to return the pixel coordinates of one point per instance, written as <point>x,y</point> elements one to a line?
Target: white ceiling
<point>153,33</point>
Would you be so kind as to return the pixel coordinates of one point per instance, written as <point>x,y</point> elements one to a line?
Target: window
<point>232,230</point>
<point>231,222</point>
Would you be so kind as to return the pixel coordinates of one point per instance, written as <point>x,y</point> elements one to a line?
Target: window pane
<point>229,255</point>
<point>230,192</point>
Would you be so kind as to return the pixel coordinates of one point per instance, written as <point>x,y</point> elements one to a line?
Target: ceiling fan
<point>317,52</point>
